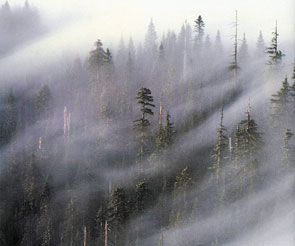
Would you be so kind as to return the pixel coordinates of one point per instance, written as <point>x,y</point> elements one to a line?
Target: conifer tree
<point>281,103</point>
<point>275,55</point>
<point>165,134</point>
<point>248,151</point>
<point>260,47</point>
<point>143,200</point>
<point>43,101</point>
<point>182,184</point>
<point>117,214</point>
<point>251,138</point>
<point>218,45</point>
<point>243,51</point>
<point>150,39</point>
<point>97,59</point>
<point>44,227</point>
<point>220,150</point>
<point>199,29</point>
<point>9,124</point>
<point>145,100</point>
<point>68,225</point>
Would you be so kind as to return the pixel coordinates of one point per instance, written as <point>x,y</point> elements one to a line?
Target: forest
<point>182,139</point>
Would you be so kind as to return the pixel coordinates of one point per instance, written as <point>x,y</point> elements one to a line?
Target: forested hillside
<point>181,139</point>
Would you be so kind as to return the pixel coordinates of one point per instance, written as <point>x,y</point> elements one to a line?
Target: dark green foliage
<point>9,123</point>
<point>68,225</point>
<point>280,103</point>
<point>275,55</point>
<point>249,138</point>
<point>118,213</point>
<point>98,57</point>
<point>43,101</point>
<point>180,212</point>
<point>165,134</point>
<point>144,196</point>
<point>81,203</point>
<point>220,152</point>
<point>199,26</point>
<point>183,180</point>
<point>117,208</point>
<point>145,100</point>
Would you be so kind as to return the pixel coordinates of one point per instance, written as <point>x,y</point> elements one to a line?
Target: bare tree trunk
<point>85,236</point>
<point>106,233</point>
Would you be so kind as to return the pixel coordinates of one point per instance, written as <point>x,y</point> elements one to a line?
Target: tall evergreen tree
<point>220,151</point>
<point>97,59</point>
<point>151,39</point>
<point>9,122</point>
<point>249,151</point>
<point>45,226</point>
<point>117,214</point>
<point>260,47</point>
<point>243,51</point>
<point>181,209</point>
<point>165,134</point>
<point>199,29</point>
<point>275,55</point>
<point>281,104</point>
<point>145,100</point>
<point>43,101</point>
<point>218,45</point>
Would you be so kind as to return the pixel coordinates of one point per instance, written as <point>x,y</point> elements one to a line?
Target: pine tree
<point>145,100</point>
<point>260,47</point>
<point>117,214</point>
<point>43,102</point>
<point>251,137</point>
<point>199,29</point>
<point>68,225</point>
<point>97,59</point>
<point>100,224</point>
<point>243,51</point>
<point>275,55</point>
<point>144,196</point>
<point>218,45</point>
<point>182,184</point>
<point>150,39</point>
<point>44,227</point>
<point>9,124</point>
<point>281,104</point>
<point>143,200</point>
<point>220,151</point>
<point>165,134</point>
<point>249,149</point>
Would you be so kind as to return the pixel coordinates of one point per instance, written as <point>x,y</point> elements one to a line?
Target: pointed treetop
<point>248,108</point>
<point>199,25</point>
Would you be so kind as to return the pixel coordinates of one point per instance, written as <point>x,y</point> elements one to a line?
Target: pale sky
<point>111,19</point>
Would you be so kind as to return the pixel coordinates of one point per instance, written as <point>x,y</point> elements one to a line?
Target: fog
<point>75,169</point>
